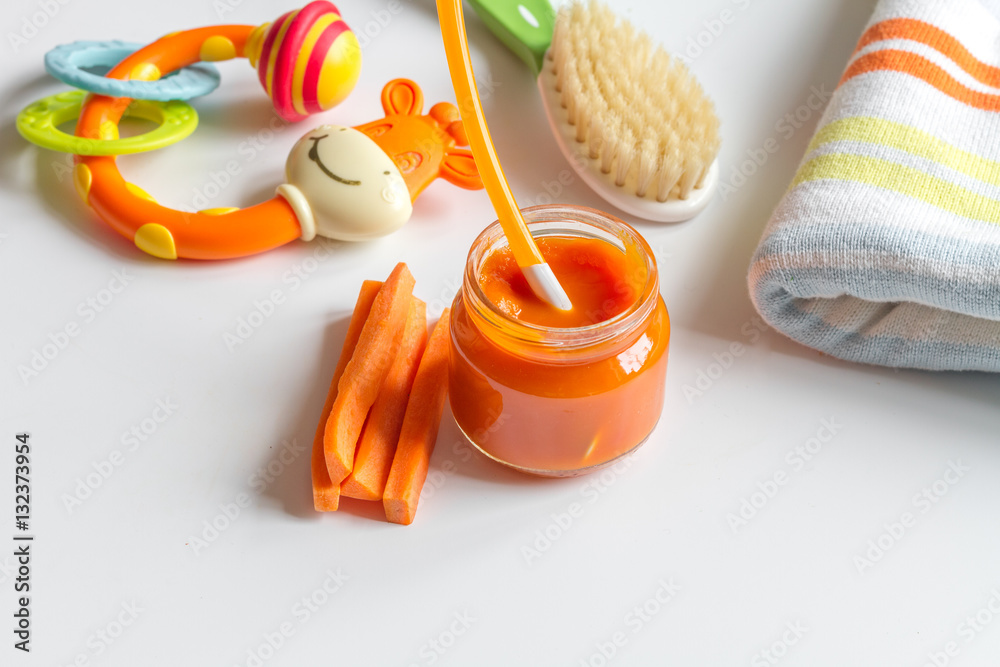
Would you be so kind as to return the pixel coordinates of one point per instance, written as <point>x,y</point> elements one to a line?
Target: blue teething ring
<point>67,62</point>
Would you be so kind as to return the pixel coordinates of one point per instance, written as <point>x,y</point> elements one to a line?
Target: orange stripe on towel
<point>922,68</point>
<point>935,37</point>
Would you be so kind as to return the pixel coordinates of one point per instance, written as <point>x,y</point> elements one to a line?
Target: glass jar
<point>560,401</point>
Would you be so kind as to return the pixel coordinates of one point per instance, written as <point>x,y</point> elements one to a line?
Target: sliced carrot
<point>420,428</point>
<point>366,371</point>
<point>326,494</point>
<point>380,434</point>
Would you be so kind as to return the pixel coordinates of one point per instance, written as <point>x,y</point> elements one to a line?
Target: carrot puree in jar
<point>553,392</point>
<point>591,271</point>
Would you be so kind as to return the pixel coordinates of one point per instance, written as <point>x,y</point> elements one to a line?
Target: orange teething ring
<point>208,234</point>
<point>343,183</point>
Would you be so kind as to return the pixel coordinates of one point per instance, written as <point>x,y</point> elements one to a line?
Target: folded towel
<point>886,247</point>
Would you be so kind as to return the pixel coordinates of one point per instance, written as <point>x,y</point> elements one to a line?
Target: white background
<point>664,518</point>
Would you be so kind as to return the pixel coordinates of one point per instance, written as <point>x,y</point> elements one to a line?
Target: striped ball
<point>308,60</point>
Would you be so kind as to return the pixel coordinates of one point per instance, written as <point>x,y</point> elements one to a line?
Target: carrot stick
<point>380,434</point>
<point>326,494</point>
<point>366,371</point>
<point>420,428</point>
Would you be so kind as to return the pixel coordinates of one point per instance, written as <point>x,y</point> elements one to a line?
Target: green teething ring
<point>39,123</point>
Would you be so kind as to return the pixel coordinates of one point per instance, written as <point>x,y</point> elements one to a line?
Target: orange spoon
<point>456,47</point>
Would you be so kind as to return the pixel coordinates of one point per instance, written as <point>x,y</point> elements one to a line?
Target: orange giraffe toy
<point>343,183</point>
<point>357,183</point>
<point>423,147</point>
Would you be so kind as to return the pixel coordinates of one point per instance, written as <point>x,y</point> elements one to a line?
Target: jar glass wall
<point>560,401</point>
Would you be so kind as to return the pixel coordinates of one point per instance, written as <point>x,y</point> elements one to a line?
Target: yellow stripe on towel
<point>904,180</point>
<point>906,138</point>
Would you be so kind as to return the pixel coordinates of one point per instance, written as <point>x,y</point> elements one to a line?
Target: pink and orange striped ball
<point>308,60</point>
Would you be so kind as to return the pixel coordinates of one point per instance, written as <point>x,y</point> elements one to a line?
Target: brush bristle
<point>638,110</point>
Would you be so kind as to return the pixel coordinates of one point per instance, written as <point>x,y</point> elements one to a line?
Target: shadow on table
<point>970,386</point>
<point>745,212</point>
<point>455,455</point>
<point>52,182</point>
<point>291,491</point>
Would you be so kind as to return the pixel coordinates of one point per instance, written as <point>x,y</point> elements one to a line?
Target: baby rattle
<point>342,183</point>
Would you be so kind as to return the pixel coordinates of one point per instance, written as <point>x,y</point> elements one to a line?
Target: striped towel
<point>886,247</point>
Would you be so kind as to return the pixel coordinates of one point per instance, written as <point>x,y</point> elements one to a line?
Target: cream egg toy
<point>341,185</point>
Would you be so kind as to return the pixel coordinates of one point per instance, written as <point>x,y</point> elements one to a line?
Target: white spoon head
<point>546,286</point>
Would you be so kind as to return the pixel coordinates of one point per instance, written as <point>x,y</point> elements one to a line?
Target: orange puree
<point>591,271</point>
<point>555,398</point>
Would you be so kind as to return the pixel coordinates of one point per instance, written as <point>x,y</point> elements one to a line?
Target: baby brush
<point>633,122</point>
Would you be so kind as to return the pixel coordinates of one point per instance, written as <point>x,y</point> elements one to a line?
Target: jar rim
<point>563,220</point>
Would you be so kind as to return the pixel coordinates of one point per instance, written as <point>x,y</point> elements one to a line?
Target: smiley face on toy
<point>342,185</point>
<point>358,183</point>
